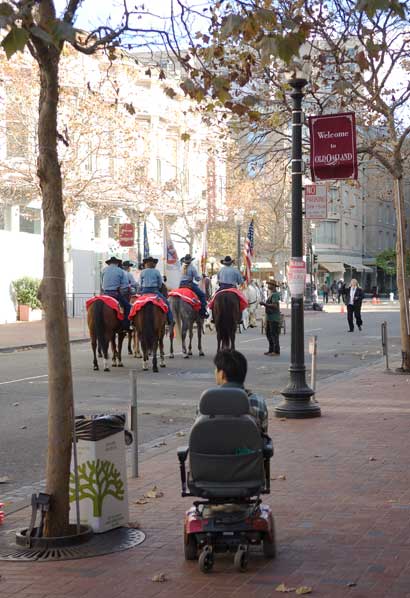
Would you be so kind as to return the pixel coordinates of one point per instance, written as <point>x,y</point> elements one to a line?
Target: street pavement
<point>166,401</point>
<point>340,496</point>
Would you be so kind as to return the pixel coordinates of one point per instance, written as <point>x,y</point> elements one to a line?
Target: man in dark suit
<point>353,298</point>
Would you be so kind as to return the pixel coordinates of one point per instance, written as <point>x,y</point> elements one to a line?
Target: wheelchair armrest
<point>267,447</point>
<point>182,453</point>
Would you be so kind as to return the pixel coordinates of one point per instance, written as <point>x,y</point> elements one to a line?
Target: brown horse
<point>227,314</point>
<point>149,323</point>
<point>103,325</point>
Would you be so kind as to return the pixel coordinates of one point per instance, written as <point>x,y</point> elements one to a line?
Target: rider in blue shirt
<point>228,276</point>
<point>114,279</point>
<point>188,276</point>
<point>132,283</point>
<point>151,281</point>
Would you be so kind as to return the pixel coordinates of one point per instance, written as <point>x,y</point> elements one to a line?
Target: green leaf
<point>41,34</point>
<point>15,41</point>
<point>62,31</point>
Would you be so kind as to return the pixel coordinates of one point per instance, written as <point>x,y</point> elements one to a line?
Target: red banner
<point>127,233</point>
<point>333,153</point>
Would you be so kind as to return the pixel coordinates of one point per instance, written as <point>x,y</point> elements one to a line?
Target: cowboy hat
<point>113,260</point>
<point>187,259</point>
<point>150,259</point>
<point>128,264</point>
<point>227,261</point>
<point>272,283</point>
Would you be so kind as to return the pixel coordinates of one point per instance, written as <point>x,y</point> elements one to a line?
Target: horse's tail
<point>148,327</point>
<point>227,317</point>
<point>176,312</point>
<point>99,326</point>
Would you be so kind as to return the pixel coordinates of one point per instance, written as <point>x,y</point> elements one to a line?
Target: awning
<point>360,267</point>
<point>332,267</point>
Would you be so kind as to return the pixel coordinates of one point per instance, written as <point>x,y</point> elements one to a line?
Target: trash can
<point>102,472</point>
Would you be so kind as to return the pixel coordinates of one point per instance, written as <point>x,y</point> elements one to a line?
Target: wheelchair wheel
<point>241,559</point>
<point>206,560</point>
<point>269,547</point>
<point>191,549</point>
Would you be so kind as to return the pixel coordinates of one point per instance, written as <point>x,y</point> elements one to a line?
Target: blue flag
<point>146,245</point>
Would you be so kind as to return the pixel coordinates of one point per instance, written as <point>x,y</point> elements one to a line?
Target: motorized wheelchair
<point>229,470</point>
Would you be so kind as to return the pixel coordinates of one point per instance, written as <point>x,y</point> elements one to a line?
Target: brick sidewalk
<point>342,513</point>
<point>28,334</point>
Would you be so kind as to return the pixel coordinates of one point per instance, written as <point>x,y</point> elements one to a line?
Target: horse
<point>185,317</point>
<point>253,295</point>
<point>103,325</point>
<point>227,314</point>
<point>149,323</point>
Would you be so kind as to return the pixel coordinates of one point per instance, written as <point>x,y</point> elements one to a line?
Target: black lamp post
<point>297,403</point>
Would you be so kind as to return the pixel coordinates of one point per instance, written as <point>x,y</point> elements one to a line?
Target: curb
<point>36,346</point>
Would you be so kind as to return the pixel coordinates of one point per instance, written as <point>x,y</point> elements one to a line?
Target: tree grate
<point>117,540</point>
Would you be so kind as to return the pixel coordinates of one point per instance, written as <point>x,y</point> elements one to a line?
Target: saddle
<point>188,296</point>
<point>109,301</point>
<point>243,302</point>
<point>142,300</point>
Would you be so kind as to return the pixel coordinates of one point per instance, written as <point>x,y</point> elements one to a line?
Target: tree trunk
<point>52,294</point>
<point>401,274</point>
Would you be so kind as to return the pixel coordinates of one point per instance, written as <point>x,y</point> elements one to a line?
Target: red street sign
<point>333,153</point>
<point>127,233</point>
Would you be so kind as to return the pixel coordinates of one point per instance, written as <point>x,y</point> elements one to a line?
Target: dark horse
<point>103,325</point>
<point>149,323</point>
<point>185,318</point>
<point>227,314</point>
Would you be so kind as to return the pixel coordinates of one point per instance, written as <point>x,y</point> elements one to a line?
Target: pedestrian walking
<point>340,290</point>
<point>353,299</point>
<point>325,292</point>
<point>272,318</point>
<point>333,291</point>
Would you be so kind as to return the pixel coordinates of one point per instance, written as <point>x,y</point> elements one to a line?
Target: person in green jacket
<point>272,318</point>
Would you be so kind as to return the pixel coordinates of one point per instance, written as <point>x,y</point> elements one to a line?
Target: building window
<point>113,227</point>
<point>356,237</point>
<point>347,235</point>
<point>380,212</point>
<point>30,221</point>
<point>326,233</point>
<point>97,227</point>
<point>388,246</point>
<point>5,218</point>
<point>380,246</point>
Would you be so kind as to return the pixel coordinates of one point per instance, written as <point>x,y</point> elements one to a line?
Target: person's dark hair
<point>234,365</point>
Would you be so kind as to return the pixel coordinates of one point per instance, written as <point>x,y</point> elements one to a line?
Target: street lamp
<point>297,403</point>
<point>238,221</point>
<point>212,262</point>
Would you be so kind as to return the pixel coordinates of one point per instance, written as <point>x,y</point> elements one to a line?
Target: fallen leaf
<point>303,590</point>
<point>372,459</point>
<point>162,443</point>
<point>154,493</point>
<point>317,456</point>
<point>180,434</point>
<point>283,419</point>
<point>351,584</point>
<point>160,577</point>
<point>146,413</point>
<point>16,404</point>
<point>141,501</point>
<point>282,477</point>
<point>4,479</point>
<point>284,589</point>
<point>23,427</point>
<point>134,525</point>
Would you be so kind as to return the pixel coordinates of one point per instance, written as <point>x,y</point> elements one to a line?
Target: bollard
<point>385,345</point>
<point>313,353</point>
<point>134,423</point>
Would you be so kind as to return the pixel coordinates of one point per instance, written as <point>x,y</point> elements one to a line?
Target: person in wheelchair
<point>230,372</point>
<point>226,465</point>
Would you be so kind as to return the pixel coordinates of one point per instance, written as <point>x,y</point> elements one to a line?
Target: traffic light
<point>315,258</point>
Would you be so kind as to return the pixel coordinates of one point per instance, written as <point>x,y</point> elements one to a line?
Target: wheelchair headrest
<point>224,401</point>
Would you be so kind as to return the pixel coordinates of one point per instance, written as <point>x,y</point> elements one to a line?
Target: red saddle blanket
<point>142,300</point>
<point>188,296</point>
<point>110,301</point>
<point>243,302</point>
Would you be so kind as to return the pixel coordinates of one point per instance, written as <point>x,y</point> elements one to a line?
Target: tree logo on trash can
<point>96,480</point>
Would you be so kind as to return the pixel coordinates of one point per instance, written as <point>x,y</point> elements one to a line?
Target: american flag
<point>248,252</point>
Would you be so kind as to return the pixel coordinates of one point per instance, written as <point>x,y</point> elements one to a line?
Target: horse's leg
<point>199,332</point>
<point>104,350</point>
<point>94,348</point>
<point>114,351</point>
<point>121,336</point>
<point>161,350</point>
<point>130,339</point>
<point>145,358</point>
<point>191,334</point>
<point>183,337</point>
<point>154,356</point>
<point>171,342</point>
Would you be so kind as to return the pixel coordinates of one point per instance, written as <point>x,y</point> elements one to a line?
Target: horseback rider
<point>228,276</point>
<point>188,276</point>
<point>132,283</point>
<point>151,281</point>
<point>114,281</point>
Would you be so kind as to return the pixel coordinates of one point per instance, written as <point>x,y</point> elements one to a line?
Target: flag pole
<point>164,245</point>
